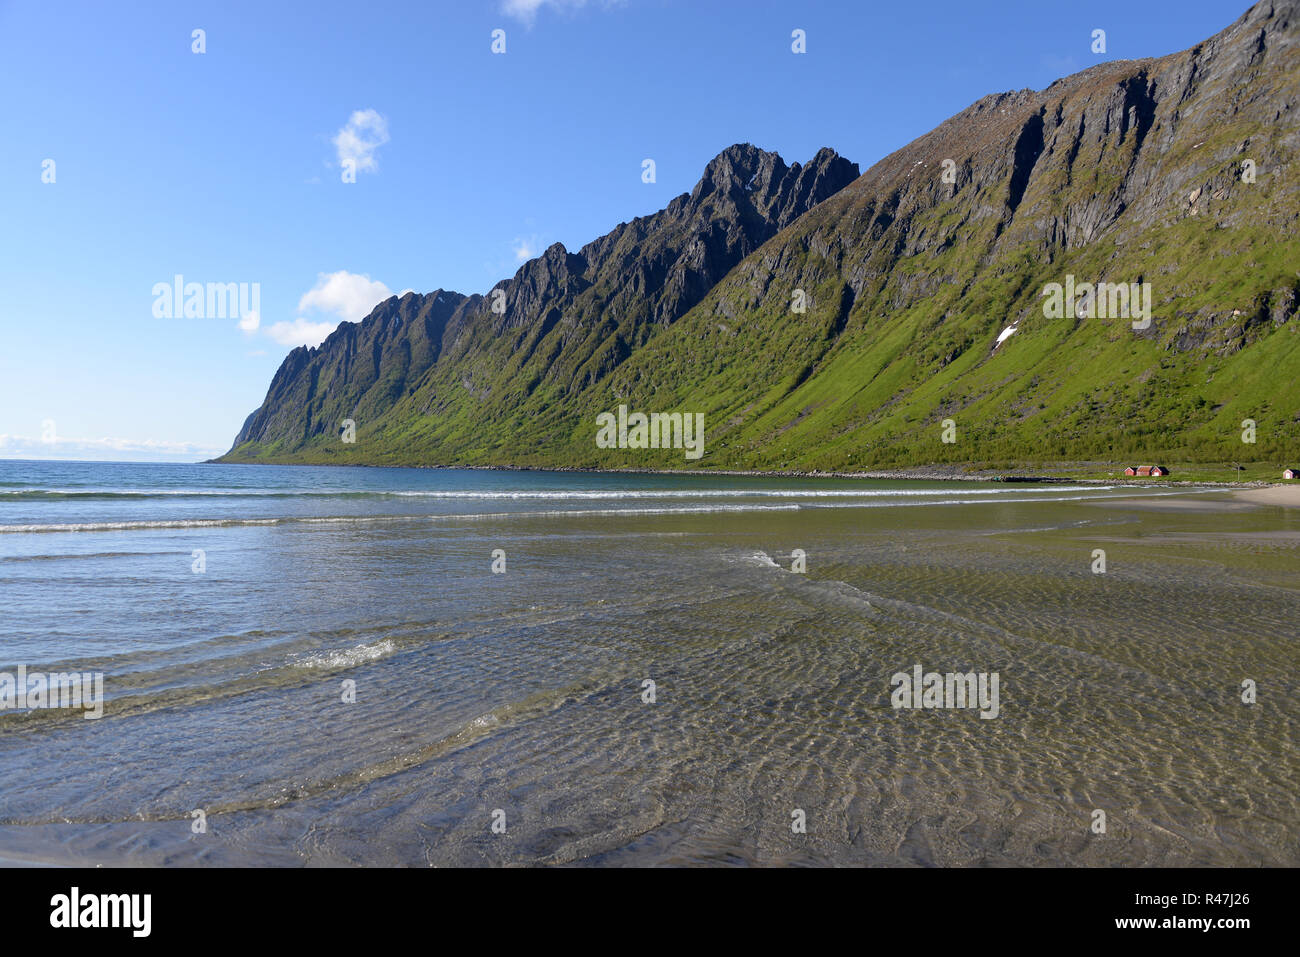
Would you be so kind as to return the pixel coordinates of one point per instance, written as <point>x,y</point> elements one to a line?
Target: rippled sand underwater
<point>522,692</point>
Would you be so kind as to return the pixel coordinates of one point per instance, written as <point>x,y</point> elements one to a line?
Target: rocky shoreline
<point>924,473</point>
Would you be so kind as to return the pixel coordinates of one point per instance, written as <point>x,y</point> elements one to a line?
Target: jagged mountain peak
<point>1173,169</point>
<point>565,319</point>
<point>740,166</point>
<point>745,175</point>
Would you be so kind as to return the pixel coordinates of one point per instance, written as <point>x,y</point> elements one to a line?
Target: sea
<point>437,667</point>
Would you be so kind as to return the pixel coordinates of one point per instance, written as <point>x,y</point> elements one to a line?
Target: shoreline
<point>926,473</point>
<point>1287,496</point>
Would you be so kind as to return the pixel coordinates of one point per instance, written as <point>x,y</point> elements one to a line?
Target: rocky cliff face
<point>360,370</point>
<point>568,318</point>
<point>1176,171</point>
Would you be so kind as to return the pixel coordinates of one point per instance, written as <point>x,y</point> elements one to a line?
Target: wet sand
<point>523,692</point>
<point>1211,501</point>
<point>1285,495</point>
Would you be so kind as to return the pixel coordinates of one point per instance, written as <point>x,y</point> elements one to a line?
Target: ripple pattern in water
<point>523,692</point>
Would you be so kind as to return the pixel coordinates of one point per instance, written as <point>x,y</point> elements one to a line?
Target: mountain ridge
<point>1129,170</point>
<point>670,258</point>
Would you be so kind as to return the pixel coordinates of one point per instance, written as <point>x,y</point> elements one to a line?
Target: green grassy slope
<point>1129,171</point>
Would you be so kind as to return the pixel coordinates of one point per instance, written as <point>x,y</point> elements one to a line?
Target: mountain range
<point>823,319</point>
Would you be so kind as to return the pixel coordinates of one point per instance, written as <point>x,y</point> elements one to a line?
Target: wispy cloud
<point>104,449</point>
<point>1059,66</point>
<point>526,247</point>
<point>525,11</point>
<point>300,332</point>
<point>356,143</point>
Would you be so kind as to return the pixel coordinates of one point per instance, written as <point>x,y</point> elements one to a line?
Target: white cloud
<point>337,297</point>
<point>348,295</point>
<point>301,332</point>
<point>364,132</point>
<point>104,449</point>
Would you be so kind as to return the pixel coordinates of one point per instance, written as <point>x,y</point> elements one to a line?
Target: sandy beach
<point>1213,500</point>
<point>1286,495</point>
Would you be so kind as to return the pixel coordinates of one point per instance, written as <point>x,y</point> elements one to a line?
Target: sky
<point>322,156</point>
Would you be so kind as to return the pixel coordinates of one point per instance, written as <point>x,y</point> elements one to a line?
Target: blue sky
<point>225,166</point>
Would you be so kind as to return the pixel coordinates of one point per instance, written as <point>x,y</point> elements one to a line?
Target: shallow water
<point>522,692</point>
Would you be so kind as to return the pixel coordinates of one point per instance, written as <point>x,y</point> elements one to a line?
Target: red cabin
<point>1291,474</point>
